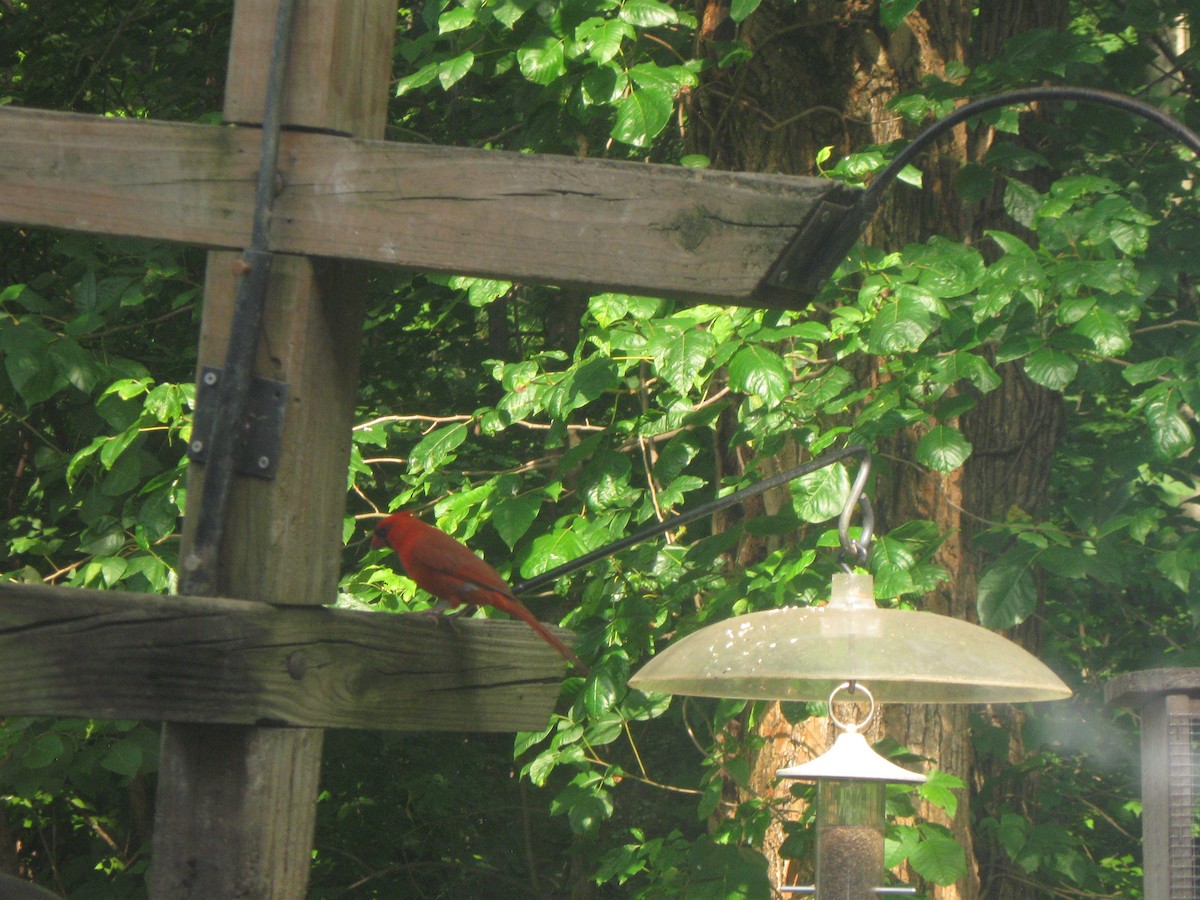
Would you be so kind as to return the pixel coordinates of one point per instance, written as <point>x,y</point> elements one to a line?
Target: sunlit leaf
<point>1107,332</point>
<point>1169,430</point>
<point>642,114</point>
<point>453,70</point>
<point>455,19</point>
<point>761,372</point>
<point>938,857</point>
<point>900,326</point>
<point>648,13</point>
<point>542,59</point>
<point>819,496</point>
<point>943,448</point>
<point>433,449</point>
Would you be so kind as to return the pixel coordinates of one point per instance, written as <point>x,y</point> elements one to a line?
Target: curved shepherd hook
<point>848,231</point>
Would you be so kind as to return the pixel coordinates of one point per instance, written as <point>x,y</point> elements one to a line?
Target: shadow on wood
<point>77,652</point>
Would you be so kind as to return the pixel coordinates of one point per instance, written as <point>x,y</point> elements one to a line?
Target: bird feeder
<point>813,652</point>
<point>852,784</point>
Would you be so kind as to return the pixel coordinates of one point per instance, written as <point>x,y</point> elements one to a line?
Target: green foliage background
<point>536,424</point>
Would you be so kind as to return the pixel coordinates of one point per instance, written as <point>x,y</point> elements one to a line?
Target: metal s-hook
<point>856,552</point>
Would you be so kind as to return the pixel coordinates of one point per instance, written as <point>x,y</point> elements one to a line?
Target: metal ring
<point>853,687</point>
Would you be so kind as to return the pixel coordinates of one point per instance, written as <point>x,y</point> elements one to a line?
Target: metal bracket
<point>257,451</point>
<point>832,228</point>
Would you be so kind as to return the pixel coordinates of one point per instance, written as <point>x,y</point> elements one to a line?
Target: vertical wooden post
<point>236,805</point>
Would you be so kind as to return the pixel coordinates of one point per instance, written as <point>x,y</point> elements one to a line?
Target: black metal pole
<point>198,573</point>
<point>707,509</point>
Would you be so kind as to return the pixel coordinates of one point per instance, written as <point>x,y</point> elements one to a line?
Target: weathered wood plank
<point>660,230</point>
<point>105,654</point>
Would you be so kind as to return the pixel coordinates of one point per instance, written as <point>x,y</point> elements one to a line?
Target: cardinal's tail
<point>514,607</point>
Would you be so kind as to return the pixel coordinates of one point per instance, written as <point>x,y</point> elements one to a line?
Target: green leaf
<point>648,13</point>
<point>910,175</point>
<point>892,561</point>
<point>605,480</point>
<point>509,12</point>
<point>893,12</point>
<point>26,358</point>
<point>514,515</point>
<point>740,10</point>
<point>453,70</point>
<point>551,550</point>
<point>433,449</point>
<point>900,326</point>
<point>1151,369</point>
<point>1050,368</point>
<point>938,857</point>
<point>1021,202</point>
<point>818,496</point>
<point>158,515</point>
<point>456,19</point>
<point>117,445</point>
<point>602,38</point>
<point>1007,596</point>
<point>75,364</point>
<point>974,183</point>
<point>46,749</point>
<point>124,757</point>
<point>581,386</point>
<point>124,476</point>
<point>642,114</point>
<point>939,789</point>
<point>680,356</point>
<point>949,268</point>
<point>761,373</point>
<point>601,693</point>
<point>419,78</point>
<point>542,59</point>
<point>964,364</point>
<point>1169,430</point>
<point>1107,332</point>
<point>943,449</point>
<point>1178,566</point>
<point>587,814</point>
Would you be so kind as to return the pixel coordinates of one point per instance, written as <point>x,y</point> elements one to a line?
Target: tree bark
<point>821,75</point>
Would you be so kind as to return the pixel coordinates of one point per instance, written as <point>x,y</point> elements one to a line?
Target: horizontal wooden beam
<point>651,229</point>
<point>74,652</point>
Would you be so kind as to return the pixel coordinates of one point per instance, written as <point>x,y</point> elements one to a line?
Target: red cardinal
<point>445,568</point>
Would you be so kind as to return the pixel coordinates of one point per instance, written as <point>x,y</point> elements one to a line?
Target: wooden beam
<point>323,91</point>
<point>235,807</point>
<point>75,652</point>
<point>635,227</point>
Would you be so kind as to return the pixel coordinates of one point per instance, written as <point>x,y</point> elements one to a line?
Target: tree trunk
<point>821,75</point>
